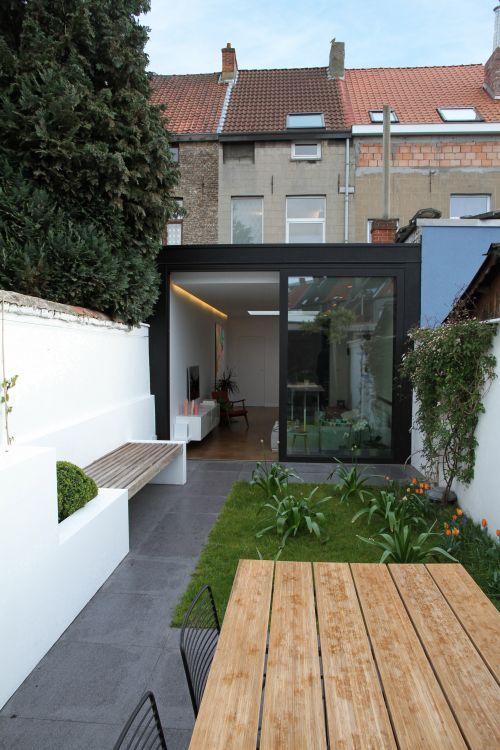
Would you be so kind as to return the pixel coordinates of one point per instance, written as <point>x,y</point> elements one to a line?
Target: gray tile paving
<point>82,691</point>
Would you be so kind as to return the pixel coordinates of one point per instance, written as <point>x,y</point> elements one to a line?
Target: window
<point>458,114</point>
<point>468,205</point>
<point>311,151</point>
<point>174,152</point>
<point>246,220</point>
<point>174,227</point>
<point>377,115</point>
<point>238,152</point>
<point>305,120</point>
<point>305,219</point>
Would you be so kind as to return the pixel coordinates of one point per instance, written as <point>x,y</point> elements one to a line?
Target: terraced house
<point>295,155</point>
<point>269,269</point>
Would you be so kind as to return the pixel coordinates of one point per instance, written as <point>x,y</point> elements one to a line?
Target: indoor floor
<point>236,441</point>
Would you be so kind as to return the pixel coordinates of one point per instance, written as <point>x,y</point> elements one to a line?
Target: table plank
<point>469,686</point>
<point>419,711</point>
<point>476,612</point>
<point>229,712</point>
<point>293,715</point>
<point>357,714</point>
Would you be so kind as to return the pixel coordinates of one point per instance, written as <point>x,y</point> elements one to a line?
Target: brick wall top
<point>438,154</point>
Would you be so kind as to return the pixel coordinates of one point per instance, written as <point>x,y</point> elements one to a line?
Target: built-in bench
<point>133,465</point>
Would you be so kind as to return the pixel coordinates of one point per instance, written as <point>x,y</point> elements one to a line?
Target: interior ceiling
<point>232,292</point>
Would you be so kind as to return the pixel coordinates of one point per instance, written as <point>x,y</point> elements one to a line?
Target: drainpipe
<point>346,194</point>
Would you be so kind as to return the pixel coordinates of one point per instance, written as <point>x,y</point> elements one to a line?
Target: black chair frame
<point>148,734</point>
<point>199,636</point>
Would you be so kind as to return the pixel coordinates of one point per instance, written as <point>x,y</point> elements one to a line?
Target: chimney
<point>492,67</point>
<point>336,63</point>
<point>229,64</point>
<point>384,231</point>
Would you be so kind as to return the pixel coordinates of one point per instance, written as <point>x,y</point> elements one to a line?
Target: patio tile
<point>37,734</point>
<point>180,534</point>
<point>122,619</point>
<point>168,683</point>
<point>85,682</point>
<point>166,578</point>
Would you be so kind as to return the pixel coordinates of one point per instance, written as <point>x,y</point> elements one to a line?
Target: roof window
<point>458,114</point>
<point>305,120</point>
<point>377,115</point>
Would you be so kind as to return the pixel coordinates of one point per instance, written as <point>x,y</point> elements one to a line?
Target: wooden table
<point>360,656</point>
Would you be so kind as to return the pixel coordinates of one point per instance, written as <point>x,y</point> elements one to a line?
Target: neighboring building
<point>296,155</point>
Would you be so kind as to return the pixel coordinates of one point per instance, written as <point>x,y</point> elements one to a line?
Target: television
<point>193,382</point>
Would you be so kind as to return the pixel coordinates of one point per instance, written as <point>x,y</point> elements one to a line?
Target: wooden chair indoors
<point>229,409</point>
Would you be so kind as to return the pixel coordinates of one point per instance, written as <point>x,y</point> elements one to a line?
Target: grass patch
<point>233,538</point>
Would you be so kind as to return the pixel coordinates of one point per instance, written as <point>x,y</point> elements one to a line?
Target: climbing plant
<point>450,368</point>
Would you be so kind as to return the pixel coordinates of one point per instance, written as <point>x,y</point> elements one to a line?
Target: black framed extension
<point>402,262</point>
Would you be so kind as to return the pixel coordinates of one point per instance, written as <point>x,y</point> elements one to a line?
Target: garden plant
<point>74,489</point>
<point>291,514</point>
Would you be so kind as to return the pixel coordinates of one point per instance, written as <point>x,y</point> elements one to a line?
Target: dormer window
<point>459,114</point>
<point>305,120</point>
<point>377,115</point>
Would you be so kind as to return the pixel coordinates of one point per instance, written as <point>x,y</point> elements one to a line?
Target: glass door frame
<point>403,319</point>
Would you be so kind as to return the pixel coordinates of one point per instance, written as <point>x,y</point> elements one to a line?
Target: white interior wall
<point>192,342</point>
<point>83,385</point>
<point>266,327</point>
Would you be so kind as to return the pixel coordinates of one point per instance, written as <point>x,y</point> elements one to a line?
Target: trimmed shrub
<point>74,489</point>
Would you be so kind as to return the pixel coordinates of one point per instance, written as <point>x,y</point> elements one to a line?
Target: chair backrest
<point>143,730</point>
<point>199,636</point>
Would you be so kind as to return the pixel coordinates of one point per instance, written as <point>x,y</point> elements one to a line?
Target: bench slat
<point>130,463</point>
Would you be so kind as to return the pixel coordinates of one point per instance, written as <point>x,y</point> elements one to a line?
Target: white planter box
<point>48,571</point>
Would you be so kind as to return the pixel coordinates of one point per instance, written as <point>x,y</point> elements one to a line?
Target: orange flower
<point>446,526</point>
<point>484,523</point>
<point>448,532</point>
<point>454,518</point>
<point>459,512</point>
<point>498,532</point>
<point>455,532</point>
<point>414,481</point>
<point>426,486</point>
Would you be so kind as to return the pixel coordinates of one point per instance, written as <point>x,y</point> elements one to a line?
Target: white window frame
<point>375,112</point>
<point>471,195</point>
<point>443,113</point>
<point>304,221</point>
<point>304,114</point>
<point>243,197</point>
<point>312,157</point>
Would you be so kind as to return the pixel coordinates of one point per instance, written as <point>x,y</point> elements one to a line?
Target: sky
<point>188,37</point>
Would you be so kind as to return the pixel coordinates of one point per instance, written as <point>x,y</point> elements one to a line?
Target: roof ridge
<point>420,67</point>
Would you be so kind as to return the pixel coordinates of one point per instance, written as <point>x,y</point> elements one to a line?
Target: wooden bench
<point>135,464</point>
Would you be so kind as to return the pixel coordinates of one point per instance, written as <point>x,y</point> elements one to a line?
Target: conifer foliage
<point>85,169</point>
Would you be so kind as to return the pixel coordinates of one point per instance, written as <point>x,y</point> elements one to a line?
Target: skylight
<point>458,114</point>
<point>377,115</point>
<point>305,120</point>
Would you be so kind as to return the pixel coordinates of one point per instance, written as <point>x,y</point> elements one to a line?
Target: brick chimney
<point>492,67</point>
<point>336,63</point>
<point>229,64</point>
<point>384,231</point>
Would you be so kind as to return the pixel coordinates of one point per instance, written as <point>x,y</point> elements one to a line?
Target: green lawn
<point>233,537</point>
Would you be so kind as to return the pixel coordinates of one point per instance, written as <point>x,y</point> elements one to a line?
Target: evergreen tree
<point>85,169</point>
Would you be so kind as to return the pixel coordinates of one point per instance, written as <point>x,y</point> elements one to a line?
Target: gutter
<point>462,128</point>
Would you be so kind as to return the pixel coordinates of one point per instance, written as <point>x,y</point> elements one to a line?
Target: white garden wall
<point>481,499</point>
<point>83,383</point>
<point>48,571</point>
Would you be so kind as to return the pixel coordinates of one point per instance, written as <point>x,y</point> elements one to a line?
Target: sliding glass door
<point>340,356</point>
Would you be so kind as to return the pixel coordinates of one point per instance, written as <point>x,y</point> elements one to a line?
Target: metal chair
<point>143,730</point>
<point>199,636</point>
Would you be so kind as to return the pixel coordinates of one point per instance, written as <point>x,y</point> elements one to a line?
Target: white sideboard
<point>197,426</point>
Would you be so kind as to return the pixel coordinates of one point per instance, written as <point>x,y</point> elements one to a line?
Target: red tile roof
<point>194,102</point>
<point>415,93</point>
<point>261,99</point>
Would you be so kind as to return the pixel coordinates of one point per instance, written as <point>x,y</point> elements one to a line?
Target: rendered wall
<point>192,342</point>
<point>83,385</point>
<point>48,571</point>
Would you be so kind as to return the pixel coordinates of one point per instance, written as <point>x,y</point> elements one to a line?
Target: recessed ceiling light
<point>263,312</point>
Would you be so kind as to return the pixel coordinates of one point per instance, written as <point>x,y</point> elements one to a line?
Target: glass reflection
<point>340,365</point>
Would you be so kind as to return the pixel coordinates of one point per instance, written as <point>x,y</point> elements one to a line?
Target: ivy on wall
<point>450,368</point>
